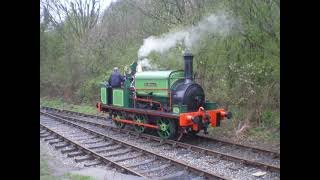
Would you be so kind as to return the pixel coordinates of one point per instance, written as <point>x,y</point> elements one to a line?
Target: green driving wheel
<point>120,125</point>
<point>167,128</point>
<point>140,119</point>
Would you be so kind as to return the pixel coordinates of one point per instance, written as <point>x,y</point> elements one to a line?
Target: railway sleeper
<point>75,154</point>
<point>55,142</point>
<point>81,159</point>
<point>141,163</point>
<point>49,139</point>
<point>75,136</point>
<point>118,153</point>
<point>84,139</point>
<point>44,136</point>
<point>109,149</point>
<point>61,146</point>
<point>93,164</point>
<point>127,158</point>
<point>100,146</point>
<point>155,168</point>
<point>93,142</point>
<point>69,150</point>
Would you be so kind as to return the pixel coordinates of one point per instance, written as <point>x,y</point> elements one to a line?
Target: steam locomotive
<point>168,101</point>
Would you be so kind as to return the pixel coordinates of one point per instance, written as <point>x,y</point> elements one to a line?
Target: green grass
<point>257,134</point>
<point>46,174</point>
<point>269,135</point>
<point>59,103</point>
<point>77,177</point>
<point>268,131</point>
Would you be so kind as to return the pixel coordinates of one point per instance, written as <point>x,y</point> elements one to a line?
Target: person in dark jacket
<point>116,78</point>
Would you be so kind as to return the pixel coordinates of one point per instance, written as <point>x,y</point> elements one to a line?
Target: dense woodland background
<point>80,44</point>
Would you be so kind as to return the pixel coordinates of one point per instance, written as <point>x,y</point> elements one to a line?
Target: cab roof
<point>155,74</point>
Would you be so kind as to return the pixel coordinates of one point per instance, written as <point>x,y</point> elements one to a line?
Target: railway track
<point>175,144</point>
<point>226,155</point>
<point>79,149</point>
<point>197,138</point>
<point>115,152</point>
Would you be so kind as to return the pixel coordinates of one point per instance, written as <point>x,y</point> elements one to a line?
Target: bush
<point>271,119</point>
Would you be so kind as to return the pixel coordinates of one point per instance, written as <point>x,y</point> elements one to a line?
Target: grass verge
<point>46,173</point>
<point>77,177</point>
<point>268,132</point>
<point>59,103</point>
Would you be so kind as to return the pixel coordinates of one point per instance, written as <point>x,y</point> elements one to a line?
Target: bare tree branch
<point>80,16</point>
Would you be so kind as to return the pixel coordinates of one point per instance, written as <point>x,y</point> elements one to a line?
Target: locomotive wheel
<point>140,119</point>
<point>120,125</point>
<point>167,129</point>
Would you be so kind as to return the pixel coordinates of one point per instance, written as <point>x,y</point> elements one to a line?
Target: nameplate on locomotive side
<point>150,84</point>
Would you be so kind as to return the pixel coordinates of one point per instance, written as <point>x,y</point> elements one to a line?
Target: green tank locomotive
<point>168,101</point>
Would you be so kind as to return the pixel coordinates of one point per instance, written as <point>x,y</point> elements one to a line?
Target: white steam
<point>217,24</point>
<point>161,44</point>
<point>145,64</point>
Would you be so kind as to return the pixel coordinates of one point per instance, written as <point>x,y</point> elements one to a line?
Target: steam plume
<point>145,64</point>
<point>218,24</point>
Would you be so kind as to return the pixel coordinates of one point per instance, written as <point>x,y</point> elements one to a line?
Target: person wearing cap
<point>116,78</point>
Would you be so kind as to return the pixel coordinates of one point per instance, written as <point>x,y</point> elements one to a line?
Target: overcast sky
<point>103,5</point>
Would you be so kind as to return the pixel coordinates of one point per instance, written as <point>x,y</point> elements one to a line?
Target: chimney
<point>188,69</point>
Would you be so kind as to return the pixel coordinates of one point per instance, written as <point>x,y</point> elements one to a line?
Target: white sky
<point>103,4</point>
